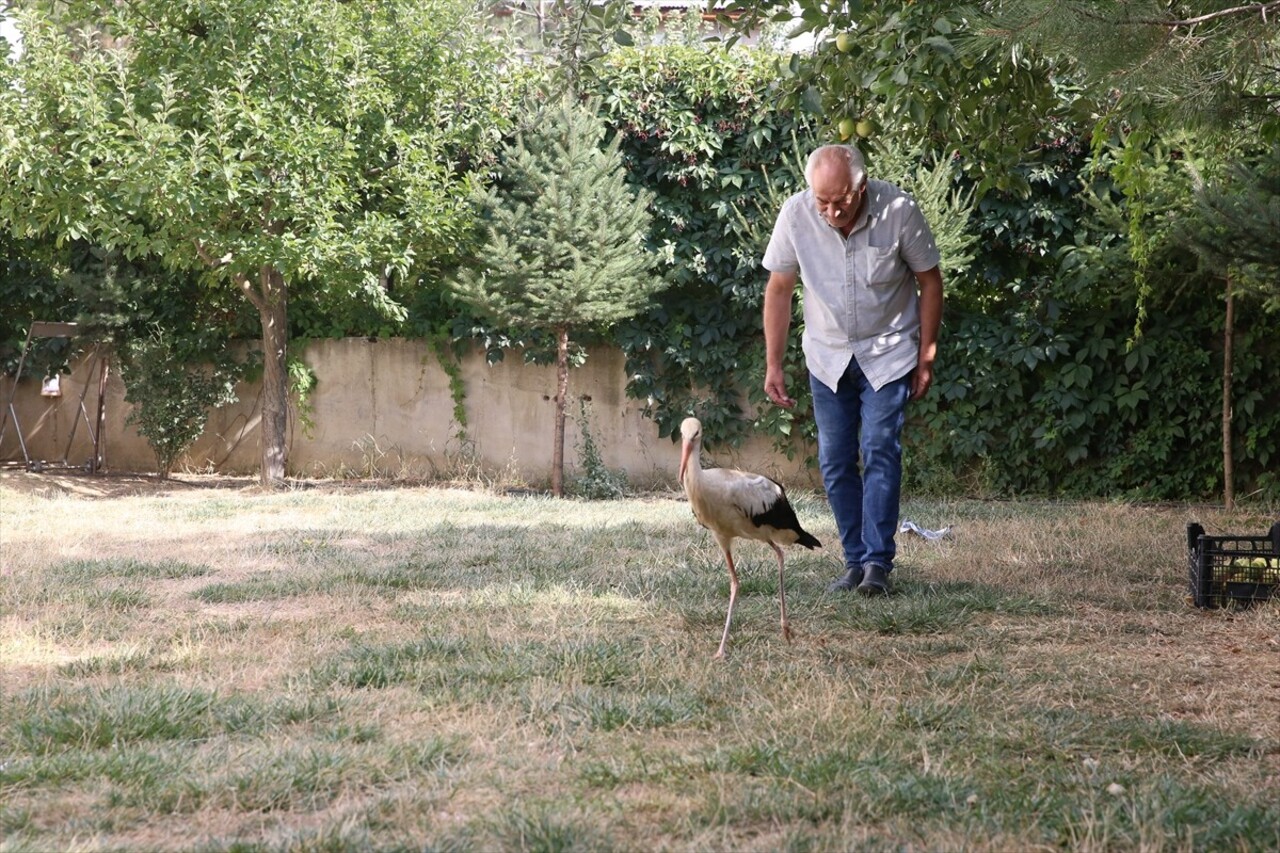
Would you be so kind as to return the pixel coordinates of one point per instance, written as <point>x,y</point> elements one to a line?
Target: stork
<point>734,504</point>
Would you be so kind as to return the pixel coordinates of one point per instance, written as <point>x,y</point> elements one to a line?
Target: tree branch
<point>141,13</point>
<point>242,281</point>
<point>1261,8</point>
<point>246,287</point>
<point>209,259</point>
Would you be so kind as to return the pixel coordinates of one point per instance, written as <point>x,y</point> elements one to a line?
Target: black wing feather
<point>783,517</point>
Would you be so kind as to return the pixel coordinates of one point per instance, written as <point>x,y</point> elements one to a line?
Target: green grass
<point>338,669</point>
<point>79,571</point>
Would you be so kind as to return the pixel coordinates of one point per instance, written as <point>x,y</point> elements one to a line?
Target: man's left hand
<point>921,380</point>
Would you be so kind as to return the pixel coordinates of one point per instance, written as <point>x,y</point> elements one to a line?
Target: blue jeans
<point>856,418</point>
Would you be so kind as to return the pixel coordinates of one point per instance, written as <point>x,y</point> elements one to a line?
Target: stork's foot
<point>786,632</point>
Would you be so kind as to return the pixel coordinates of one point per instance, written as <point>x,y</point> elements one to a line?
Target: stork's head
<point>691,433</point>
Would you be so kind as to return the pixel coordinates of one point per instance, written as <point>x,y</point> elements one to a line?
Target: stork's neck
<point>693,468</point>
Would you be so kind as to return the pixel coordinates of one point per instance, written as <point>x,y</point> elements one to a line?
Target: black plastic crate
<point>1232,570</point>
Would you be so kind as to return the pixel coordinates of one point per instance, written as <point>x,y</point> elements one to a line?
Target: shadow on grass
<point>931,607</point>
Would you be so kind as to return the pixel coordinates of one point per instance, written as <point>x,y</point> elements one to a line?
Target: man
<point>872,308</point>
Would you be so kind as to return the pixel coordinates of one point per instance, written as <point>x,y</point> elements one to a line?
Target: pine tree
<point>1208,65</point>
<point>1235,228</point>
<point>1237,224</point>
<point>564,240</point>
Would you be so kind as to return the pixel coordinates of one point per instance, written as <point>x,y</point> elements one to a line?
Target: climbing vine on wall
<point>699,128</point>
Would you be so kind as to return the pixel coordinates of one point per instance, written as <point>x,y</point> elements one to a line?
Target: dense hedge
<point>699,130</point>
<point>1050,383</point>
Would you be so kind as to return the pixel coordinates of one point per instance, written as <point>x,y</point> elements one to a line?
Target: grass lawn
<point>203,666</point>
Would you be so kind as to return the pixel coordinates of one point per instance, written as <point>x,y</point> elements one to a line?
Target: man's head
<point>837,174</point>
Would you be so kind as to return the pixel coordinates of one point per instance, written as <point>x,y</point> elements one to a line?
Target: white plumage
<point>734,504</point>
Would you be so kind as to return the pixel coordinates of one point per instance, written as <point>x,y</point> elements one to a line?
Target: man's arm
<point>930,282</point>
<point>778,294</point>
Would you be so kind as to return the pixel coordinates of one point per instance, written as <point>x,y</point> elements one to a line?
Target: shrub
<point>171,398</point>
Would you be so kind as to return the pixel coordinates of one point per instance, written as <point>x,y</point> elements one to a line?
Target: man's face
<point>838,200</point>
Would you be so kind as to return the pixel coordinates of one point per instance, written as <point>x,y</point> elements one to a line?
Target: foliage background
<point>1081,349</point>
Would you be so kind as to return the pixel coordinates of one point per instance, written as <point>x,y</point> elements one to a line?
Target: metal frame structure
<point>100,362</point>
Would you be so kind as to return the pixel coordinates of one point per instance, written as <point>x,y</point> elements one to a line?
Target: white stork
<point>735,503</point>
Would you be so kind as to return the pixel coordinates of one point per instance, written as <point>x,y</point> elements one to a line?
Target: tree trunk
<point>271,297</point>
<point>274,312</point>
<point>1228,464</point>
<point>562,393</point>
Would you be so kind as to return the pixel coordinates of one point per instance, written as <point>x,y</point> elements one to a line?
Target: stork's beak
<point>686,450</point>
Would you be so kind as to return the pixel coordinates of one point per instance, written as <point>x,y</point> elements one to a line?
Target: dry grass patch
<point>206,666</point>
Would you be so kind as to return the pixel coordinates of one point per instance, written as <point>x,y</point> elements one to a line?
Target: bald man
<point>872,309</point>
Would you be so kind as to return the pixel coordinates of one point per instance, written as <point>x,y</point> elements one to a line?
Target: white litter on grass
<point>931,535</point>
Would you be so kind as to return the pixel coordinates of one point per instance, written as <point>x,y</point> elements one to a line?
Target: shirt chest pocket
<point>884,266</point>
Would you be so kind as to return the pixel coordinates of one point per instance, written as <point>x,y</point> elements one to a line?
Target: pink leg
<point>782,593</point>
<point>733,596</point>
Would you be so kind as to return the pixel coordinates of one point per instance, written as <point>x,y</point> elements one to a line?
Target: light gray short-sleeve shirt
<point>860,294</point>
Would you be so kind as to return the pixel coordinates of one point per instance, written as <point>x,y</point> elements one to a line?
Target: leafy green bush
<point>596,481</point>
<point>171,398</point>
<point>1043,387</point>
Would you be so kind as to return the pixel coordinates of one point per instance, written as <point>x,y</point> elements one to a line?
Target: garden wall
<point>383,408</point>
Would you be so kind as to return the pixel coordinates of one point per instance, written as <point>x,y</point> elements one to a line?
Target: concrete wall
<point>383,408</point>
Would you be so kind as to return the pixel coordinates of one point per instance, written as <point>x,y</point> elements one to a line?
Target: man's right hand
<point>777,320</point>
